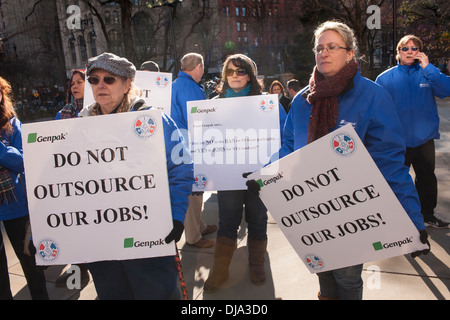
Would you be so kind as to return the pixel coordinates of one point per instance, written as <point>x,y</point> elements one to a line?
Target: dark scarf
<point>71,110</point>
<point>323,97</point>
<point>7,192</point>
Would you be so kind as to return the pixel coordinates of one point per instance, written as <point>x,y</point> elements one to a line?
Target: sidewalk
<point>398,278</point>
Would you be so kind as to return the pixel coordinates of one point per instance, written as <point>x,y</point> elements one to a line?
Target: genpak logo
<point>274,179</point>
<point>204,110</point>
<point>130,243</point>
<point>34,137</point>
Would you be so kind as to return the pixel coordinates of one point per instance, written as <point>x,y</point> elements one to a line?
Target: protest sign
<point>97,188</point>
<point>335,207</point>
<point>232,136</point>
<point>156,90</point>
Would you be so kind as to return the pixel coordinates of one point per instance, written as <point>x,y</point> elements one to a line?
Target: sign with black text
<point>97,188</point>
<point>335,207</point>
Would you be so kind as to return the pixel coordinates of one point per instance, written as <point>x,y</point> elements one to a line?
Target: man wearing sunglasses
<point>413,85</point>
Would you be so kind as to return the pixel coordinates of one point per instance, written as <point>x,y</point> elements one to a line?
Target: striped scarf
<point>71,110</point>
<point>7,193</point>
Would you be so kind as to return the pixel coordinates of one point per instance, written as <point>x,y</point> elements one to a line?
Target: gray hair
<point>190,61</point>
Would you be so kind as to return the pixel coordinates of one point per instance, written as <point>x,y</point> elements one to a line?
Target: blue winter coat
<point>11,158</point>
<point>184,89</point>
<point>413,90</point>
<point>370,110</point>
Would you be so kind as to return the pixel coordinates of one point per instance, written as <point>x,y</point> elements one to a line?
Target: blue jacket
<point>180,170</point>
<point>11,158</point>
<point>184,89</point>
<point>370,110</point>
<point>413,89</point>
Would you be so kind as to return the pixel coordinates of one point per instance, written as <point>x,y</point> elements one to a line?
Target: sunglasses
<point>108,80</point>
<point>239,72</point>
<point>407,48</point>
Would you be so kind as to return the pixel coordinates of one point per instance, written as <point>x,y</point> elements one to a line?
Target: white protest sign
<point>231,136</point>
<point>335,207</point>
<point>156,90</point>
<point>97,188</point>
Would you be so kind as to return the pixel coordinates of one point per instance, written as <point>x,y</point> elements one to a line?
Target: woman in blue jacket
<point>338,95</point>
<point>413,85</point>
<point>13,202</point>
<point>239,80</point>
<point>112,81</point>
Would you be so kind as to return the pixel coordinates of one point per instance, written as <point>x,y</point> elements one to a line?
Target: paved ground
<point>404,278</point>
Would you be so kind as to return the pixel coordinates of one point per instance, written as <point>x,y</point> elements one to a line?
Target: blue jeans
<point>231,205</point>
<point>138,279</point>
<point>344,284</point>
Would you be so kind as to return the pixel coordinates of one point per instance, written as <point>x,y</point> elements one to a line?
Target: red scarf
<point>323,96</point>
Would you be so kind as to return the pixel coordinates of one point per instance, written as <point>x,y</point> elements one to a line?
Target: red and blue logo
<point>267,104</point>
<point>48,250</point>
<point>343,144</point>
<point>162,81</point>
<point>144,126</point>
<point>200,181</point>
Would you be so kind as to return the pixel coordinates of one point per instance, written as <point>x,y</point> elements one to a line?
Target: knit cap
<point>113,64</point>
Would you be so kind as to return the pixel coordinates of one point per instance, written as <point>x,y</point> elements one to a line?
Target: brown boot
<point>222,258</point>
<point>256,252</point>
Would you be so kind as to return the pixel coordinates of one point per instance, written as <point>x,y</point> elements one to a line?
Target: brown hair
<point>6,106</point>
<point>82,74</point>
<point>277,83</point>
<point>240,61</point>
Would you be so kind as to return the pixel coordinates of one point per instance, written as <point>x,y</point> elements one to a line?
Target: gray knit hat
<point>112,63</point>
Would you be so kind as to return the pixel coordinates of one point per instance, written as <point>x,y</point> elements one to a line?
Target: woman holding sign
<point>239,80</point>
<point>337,95</point>
<point>112,81</point>
<point>13,202</point>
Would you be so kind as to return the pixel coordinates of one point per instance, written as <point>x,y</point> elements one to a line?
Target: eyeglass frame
<point>328,49</point>
<point>231,72</point>
<point>415,48</point>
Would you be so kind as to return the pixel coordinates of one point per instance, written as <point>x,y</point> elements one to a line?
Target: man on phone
<point>413,85</point>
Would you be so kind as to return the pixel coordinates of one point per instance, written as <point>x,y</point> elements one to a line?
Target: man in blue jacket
<point>413,85</point>
<point>186,88</point>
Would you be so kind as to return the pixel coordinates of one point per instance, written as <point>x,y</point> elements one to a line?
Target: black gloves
<point>423,239</point>
<point>252,185</point>
<point>176,232</point>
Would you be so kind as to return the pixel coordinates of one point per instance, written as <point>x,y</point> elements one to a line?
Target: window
<point>93,45</point>
<point>72,51</point>
<point>83,49</point>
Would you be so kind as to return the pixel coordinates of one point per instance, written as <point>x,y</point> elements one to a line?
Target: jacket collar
<point>406,68</point>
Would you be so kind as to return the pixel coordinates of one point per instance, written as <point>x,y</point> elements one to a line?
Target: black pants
<point>423,160</point>
<point>15,229</point>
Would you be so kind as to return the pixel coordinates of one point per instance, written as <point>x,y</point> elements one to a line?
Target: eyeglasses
<point>407,48</point>
<point>331,48</point>
<point>239,72</point>
<point>108,80</point>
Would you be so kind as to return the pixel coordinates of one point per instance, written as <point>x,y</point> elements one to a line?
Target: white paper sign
<point>97,188</point>
<point>231,136</point>
<point>156,90</point>
<point>335,207</point>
